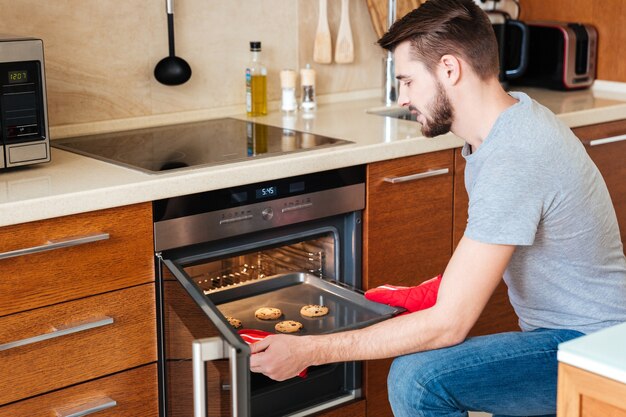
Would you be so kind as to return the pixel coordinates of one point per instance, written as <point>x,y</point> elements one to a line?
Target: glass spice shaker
<point>288,86</point>
<point>307,80</point>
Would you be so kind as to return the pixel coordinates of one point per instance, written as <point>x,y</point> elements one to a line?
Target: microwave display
<point>16,77</point>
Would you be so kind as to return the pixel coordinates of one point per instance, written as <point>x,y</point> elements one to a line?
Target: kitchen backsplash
<point>100,54</point>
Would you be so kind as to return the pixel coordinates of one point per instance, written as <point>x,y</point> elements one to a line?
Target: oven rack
<point>260,265</point>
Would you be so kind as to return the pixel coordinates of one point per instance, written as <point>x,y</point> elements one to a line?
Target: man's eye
<point>406,83</point>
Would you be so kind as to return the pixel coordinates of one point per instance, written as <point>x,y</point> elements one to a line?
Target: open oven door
<point>205,364</point>
<point>202,285</point>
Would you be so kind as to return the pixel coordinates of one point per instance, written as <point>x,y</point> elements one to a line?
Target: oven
<point>225,253</point>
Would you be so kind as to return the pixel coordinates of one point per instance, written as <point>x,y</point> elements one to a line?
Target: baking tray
<point>348,308</point>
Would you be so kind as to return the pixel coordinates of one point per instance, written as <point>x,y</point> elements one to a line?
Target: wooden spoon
<point>378,12</point>
<point>344,49</point>
<point>322,48</point>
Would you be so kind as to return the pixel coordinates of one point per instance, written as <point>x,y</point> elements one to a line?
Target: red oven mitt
<point>251,336</point>
<point>416,298</point>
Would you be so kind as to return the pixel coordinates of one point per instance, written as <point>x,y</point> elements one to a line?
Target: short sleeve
<point>505,205</point>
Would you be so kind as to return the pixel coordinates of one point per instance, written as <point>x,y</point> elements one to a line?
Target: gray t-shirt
<point>532,184</point>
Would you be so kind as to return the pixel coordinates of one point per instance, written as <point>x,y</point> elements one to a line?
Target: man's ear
<point>449,69</point>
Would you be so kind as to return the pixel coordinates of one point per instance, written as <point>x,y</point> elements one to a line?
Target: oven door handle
<point>205,350</point>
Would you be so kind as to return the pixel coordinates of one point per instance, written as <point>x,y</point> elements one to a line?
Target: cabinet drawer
<point>132,393</point>
<point>408,224</point>
<point>35,280</point>
<point>124,336</point>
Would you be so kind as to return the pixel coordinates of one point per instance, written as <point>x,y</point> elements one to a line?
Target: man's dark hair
<point>440,27</point>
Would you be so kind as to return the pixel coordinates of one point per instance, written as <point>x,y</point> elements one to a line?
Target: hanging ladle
<point>171,70</point>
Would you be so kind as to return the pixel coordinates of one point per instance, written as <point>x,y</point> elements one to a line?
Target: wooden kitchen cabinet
<point>407,238</point>
<point>128,394</point>
<point>610,158</point>
<point>585,394</point>
<point>124,338</point>
<point>410,231</point>
<point>407,233</point>
<point>123,256</point>
<point>76,313</point>
<point>416,243</point>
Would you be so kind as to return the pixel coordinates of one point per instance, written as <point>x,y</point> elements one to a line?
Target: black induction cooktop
<point>192,145</point>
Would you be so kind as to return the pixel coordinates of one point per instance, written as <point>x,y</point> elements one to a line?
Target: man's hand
<point>416,298</point>
<point>282,356</point>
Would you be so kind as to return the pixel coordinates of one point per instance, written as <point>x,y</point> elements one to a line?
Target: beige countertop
<point>71,183</point>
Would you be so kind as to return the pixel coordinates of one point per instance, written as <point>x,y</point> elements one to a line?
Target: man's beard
<point>442,115</point>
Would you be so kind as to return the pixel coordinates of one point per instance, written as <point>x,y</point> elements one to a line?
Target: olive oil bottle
<point>256,83</point>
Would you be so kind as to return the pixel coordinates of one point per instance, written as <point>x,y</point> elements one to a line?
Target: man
<point>539,215</point>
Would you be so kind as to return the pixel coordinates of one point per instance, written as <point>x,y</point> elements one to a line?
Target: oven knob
<point>267,213</point>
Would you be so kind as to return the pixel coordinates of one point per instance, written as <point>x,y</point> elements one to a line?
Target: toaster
<point>561,55</point>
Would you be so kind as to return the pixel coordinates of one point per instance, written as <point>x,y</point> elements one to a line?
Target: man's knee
<point>406,380</point>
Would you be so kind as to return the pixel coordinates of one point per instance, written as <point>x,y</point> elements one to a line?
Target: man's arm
<point>468,282</point>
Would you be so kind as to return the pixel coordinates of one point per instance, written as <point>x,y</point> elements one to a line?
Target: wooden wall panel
<point>609,18</point>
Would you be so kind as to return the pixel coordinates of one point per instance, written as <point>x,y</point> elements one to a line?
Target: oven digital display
<point>269,191</point>
<point>20,76</point>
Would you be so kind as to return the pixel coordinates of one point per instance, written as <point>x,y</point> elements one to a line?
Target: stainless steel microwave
<point>24,134</point>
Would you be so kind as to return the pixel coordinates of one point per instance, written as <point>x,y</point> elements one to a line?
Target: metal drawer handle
<point>603,141</point>
<point>58,333</point>
<point>89,408</point>
<point>56,244</point>
<point>418,176</point>
<point>209,349</point>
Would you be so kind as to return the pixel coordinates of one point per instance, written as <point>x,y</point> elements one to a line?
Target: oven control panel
<point>213,215</point>
<point>266,212</point>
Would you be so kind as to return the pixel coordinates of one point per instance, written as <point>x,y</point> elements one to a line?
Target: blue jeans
<point>506,374</point>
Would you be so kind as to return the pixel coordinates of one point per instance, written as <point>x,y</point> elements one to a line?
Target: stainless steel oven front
<point>222,254</point>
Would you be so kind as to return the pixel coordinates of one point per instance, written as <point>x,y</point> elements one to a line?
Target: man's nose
<point>403,99</point>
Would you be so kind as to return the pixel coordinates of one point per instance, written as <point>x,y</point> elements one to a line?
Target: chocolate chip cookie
<point>236,323</point>
<point>313,310</point>
<point>268,313</point>
<point>288,326</point>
